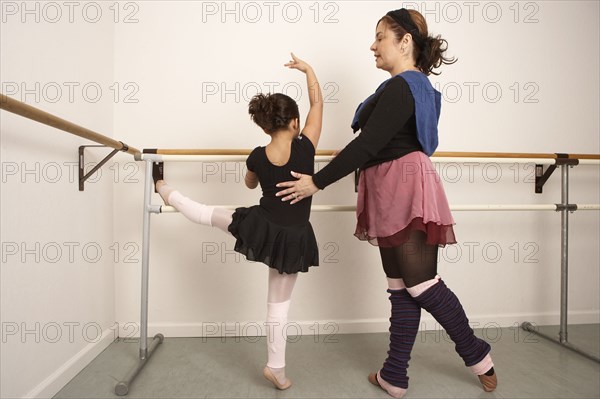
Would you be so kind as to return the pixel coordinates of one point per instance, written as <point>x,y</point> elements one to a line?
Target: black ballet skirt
<point>276,232</point>
<point>287,248</point>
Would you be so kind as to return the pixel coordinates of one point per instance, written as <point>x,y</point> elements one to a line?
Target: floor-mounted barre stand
<point>197,156</point>
<point>565,209</point>
<point>552,161</point>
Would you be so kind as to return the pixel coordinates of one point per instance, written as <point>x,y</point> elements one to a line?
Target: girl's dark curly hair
<point>273,112</point>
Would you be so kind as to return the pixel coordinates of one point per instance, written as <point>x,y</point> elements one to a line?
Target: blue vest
<point>428,104</point>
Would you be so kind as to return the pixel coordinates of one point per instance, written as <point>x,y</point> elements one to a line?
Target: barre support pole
<point>123,386</point>
<point>564,254</point>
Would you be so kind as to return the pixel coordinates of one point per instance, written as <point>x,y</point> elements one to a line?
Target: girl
<point>273,232</point>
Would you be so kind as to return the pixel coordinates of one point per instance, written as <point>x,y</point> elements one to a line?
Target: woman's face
<point>385,47</point>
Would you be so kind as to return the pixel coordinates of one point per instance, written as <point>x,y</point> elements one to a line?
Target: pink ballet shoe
<point>269,376</point>
<point>373,379</point>
<point>394,392</point>
<point>489,382</point>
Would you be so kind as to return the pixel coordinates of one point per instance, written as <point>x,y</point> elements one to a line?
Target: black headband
<point>402,18</point>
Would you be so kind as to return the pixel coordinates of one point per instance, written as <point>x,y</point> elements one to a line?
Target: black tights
<point>414,261</point>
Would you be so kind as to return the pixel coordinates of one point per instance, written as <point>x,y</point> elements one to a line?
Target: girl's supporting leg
<point>278,303</point>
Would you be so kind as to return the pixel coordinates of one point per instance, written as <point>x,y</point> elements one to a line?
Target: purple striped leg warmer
<point>447,310</point>
<point>404,324</point>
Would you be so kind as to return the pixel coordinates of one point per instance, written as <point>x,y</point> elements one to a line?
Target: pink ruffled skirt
<point>401,196</point>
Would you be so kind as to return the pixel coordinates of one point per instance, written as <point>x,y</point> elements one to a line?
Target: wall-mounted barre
<point>159,155</point>
<point>29,112</point>
<point>36,114</point>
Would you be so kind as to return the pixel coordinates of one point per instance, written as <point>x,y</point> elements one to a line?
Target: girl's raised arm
<point>314,119</point>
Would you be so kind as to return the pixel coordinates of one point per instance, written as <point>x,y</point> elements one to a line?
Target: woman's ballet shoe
<point>393,391</point>
<point>489,382</point>
<point>269,376</point>
<point>373,379</point>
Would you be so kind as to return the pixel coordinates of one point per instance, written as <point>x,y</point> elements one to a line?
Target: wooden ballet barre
<point>179,154</point>
<point>459,208</point>
<point>325,156</point>
<point>29,112</point>
<point>444,154</point>
<point>216,151</point>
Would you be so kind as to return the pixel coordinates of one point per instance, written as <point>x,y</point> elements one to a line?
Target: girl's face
<point>385,47</point>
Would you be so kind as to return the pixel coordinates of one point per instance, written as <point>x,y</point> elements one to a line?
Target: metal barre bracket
<point>542,176</point>
<point>82,175</point>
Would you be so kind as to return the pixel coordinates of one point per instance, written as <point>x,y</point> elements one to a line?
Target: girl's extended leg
<point>278,304</point>
<point>194,211</point>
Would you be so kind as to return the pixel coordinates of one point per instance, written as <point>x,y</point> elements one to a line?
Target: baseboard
<point>65,373</point>
<point>329,328</point>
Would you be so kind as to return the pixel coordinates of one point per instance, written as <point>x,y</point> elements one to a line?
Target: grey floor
<point>528,366</point>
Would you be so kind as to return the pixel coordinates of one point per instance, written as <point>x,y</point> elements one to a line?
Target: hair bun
<point>272,111</point>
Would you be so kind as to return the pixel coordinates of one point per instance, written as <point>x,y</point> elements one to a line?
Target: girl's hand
<point>297,190</point>
<point>297,63</point>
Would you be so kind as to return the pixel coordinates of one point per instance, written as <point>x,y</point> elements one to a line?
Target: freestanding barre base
<point>564,272</point>
<point>527,326</point>
<point>122,388</point>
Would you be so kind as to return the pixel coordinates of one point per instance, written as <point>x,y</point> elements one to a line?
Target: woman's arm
<point>393,109</point>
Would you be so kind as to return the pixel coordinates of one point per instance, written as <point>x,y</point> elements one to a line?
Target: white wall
<point>57,275</point>
<point>179,75</point>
